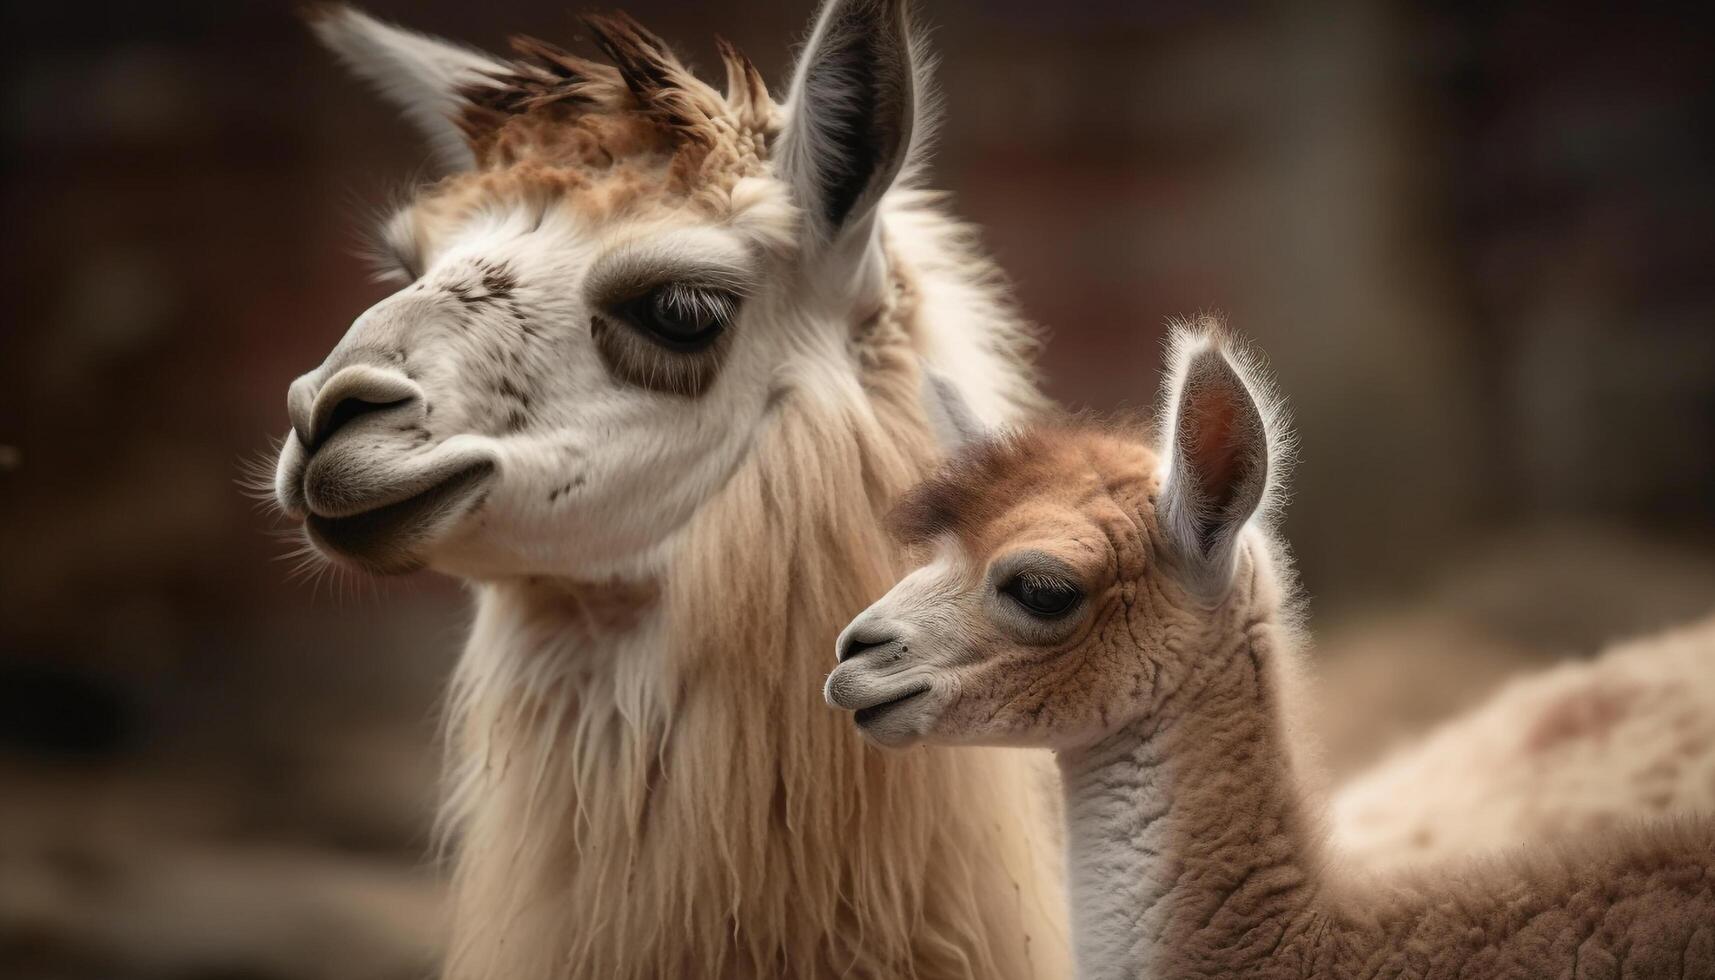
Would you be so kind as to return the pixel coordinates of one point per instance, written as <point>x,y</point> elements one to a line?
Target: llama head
<point>1077,572</point>
<point>624,271</point>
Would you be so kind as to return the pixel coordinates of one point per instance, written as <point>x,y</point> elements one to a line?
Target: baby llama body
<point>1125,606</point>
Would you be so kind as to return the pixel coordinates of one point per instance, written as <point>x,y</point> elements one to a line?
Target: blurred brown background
<point>1478,241</point>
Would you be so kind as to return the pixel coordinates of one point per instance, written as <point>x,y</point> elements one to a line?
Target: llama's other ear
<point>1217,459</point>
<point>950,416</point>
<point>851,114</point>
<point>421,75</point>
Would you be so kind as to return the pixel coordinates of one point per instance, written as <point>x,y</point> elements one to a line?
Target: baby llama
<point>1127,606</point>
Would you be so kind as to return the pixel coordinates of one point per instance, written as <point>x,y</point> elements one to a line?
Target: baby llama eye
<point>1043,596</point>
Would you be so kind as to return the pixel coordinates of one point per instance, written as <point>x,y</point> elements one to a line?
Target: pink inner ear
<point>1211,417</point>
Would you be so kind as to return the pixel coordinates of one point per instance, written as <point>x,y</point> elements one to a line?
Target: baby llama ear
<point>950,416</point>
<point>1219,463</point>
<point>851,114</point>
<point>423,76</point>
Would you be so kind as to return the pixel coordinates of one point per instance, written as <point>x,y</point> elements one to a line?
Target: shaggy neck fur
<point>1194,853</point>
<point>644,781</point>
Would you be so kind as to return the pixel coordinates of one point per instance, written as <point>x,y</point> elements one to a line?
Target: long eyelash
<point>1046,583</point>
<point>729,285</point>
<point>698,303</point>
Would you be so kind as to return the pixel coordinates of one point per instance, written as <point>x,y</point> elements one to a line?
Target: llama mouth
<point>383,539</point>
<point>864,716</point>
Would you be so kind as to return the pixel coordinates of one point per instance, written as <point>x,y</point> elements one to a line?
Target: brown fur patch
<point>557,109</point>
<point>984,481</point>
<point>1590,713</point>
<point>558,130</point>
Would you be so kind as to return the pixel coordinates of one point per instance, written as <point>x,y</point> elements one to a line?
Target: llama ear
<point>850,115</point>
<point>1217,457</point>
<point>421,75</point>
<point>950,416</point>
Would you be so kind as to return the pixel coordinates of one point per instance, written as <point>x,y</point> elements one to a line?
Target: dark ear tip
<point>1210,364</point>
<point>886,15</point>
<point>870,7</point>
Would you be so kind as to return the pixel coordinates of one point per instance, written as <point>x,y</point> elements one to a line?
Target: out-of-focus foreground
<point>1476,241</point>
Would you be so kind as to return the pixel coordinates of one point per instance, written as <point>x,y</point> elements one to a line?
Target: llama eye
<point>680,318</point>
<point>1042,596</point>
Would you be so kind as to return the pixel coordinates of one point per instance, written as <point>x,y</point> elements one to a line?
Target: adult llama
<point>651,379</point>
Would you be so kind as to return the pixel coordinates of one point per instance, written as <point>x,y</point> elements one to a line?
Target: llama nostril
<point>345,410</point>
<point>857,644</point>
<point>349,395</point>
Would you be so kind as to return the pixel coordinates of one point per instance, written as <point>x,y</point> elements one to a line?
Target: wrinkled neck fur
<point>1186,827</point>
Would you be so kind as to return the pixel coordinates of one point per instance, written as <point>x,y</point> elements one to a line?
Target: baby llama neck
<point>1189,844</point>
